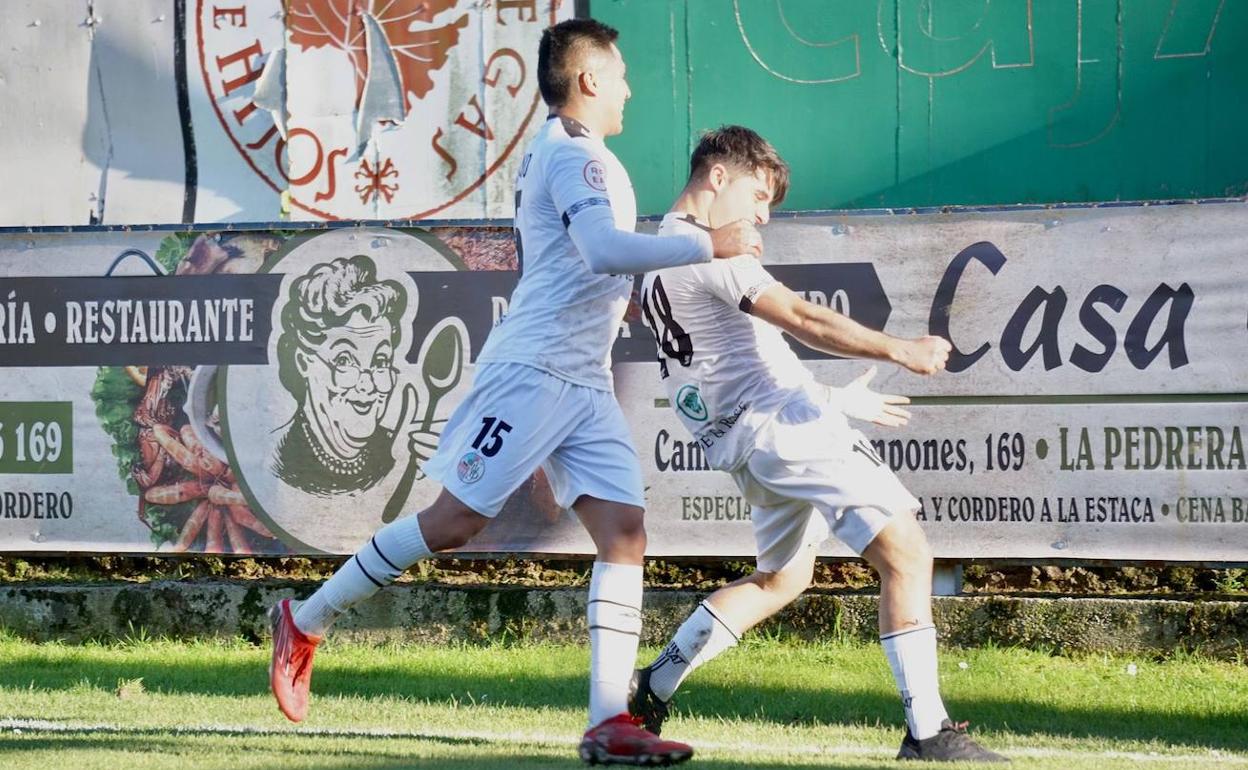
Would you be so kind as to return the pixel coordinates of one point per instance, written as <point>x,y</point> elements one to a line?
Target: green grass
<point>768,704</point>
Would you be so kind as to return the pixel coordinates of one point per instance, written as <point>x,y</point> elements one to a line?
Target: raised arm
<point>586,211</point>
<point>827,330</point>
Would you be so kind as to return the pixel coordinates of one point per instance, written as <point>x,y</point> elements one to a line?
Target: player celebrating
<point>543,394</point>
<point>759,414</point>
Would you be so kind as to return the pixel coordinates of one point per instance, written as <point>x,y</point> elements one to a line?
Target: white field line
<point>1209,758</point>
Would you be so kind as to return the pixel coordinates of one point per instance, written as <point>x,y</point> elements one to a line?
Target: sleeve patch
<point>595,175</point>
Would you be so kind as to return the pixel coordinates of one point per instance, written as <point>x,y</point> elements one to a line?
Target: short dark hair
<point>561,50</point>
<point>744,150</point>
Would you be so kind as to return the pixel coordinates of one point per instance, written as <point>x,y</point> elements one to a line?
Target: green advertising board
<point>901,103</point>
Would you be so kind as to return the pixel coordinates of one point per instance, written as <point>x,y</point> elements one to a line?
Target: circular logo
<point>471,467</point>
<point>389,109</point>
<point>595,175</point>
<point>689,402</point>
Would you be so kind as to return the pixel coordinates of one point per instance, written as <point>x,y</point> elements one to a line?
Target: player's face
<point>742,196</point>
<point>613,89</point>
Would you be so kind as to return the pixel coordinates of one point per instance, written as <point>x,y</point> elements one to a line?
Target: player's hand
<point>733,240</point>
<point>926,355</point>
<point>860,402</point>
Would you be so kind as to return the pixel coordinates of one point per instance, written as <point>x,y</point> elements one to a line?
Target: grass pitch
<point>767,704</point>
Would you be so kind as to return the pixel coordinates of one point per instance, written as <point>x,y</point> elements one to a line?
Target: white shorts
<point>811,475</point>
<point>518,418</point>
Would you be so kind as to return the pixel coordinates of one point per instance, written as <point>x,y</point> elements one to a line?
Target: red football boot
<point>620,740</point>
<point>290,671</point>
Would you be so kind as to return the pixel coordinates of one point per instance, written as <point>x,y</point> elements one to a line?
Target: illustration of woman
<point>336,353</point>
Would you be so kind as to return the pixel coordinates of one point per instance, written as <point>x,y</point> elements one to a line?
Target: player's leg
<point>509,423</point>
<point>715,626</point>
<point>872,512</point>
<point>903,560</point>
<point>825,463</point>
<point>299,627</point>
<point>597,473</point>
<point>787,533</point>
<point>902,557</point>
<point>746,602</point>
<point>834,468</point>
<point>614,617</point>
<point>392,550</point>
<point>614,603</point>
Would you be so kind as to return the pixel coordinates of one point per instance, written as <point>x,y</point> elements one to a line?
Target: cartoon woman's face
<point>350,378</point>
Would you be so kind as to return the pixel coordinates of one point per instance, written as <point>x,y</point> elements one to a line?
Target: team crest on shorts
<point>689,402</point>
<point>471,467</point>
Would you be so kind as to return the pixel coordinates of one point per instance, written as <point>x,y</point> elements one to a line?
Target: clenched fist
<point>926,355</point>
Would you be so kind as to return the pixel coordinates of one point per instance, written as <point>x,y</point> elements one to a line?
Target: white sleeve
<point>739,281</point>
<point>586,211</point>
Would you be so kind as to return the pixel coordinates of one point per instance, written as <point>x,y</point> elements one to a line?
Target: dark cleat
<point>643,703</point>
<point>951,744</point>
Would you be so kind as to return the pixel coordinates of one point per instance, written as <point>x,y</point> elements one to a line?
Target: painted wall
<point>166,111</point>
<point>158,111</point>
<point>900,103</point>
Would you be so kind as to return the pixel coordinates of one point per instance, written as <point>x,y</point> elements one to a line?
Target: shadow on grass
<point>203,750</point>
<point>1019,715</point>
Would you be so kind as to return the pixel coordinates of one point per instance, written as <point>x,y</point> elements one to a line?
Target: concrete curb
<point>439,614</point>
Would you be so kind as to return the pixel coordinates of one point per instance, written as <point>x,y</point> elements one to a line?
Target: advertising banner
<point>269,391</point>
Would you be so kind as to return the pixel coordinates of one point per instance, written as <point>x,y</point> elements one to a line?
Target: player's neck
<point>585,117</point>
<point>696,203</point>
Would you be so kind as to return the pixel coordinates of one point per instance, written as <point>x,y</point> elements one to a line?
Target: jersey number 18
<point>673,341</point>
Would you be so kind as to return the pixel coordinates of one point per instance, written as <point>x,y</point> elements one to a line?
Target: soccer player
<point>759,414</point>
<point>543,396</point>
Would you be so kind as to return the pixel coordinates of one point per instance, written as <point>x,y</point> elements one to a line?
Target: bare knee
<point>901,550</point>
<point>618,530</point>
<point>787,584</point>
<point>628,535</point>
<point>630,526</point>
<point>448,523</point>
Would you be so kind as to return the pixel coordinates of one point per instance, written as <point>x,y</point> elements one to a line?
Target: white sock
<point>702,637</point>
<point>912,656</point>
<point>614,611</point>
<point>393,549</point>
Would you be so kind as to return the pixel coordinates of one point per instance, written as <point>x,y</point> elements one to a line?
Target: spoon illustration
<point>442,363</point>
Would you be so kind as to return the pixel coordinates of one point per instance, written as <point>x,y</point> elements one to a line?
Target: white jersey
<point>727,373</point>
<point>575,216</point>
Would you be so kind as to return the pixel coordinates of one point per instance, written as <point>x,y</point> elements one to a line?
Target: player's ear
<point>587,80</point>
<point>717,176</point>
